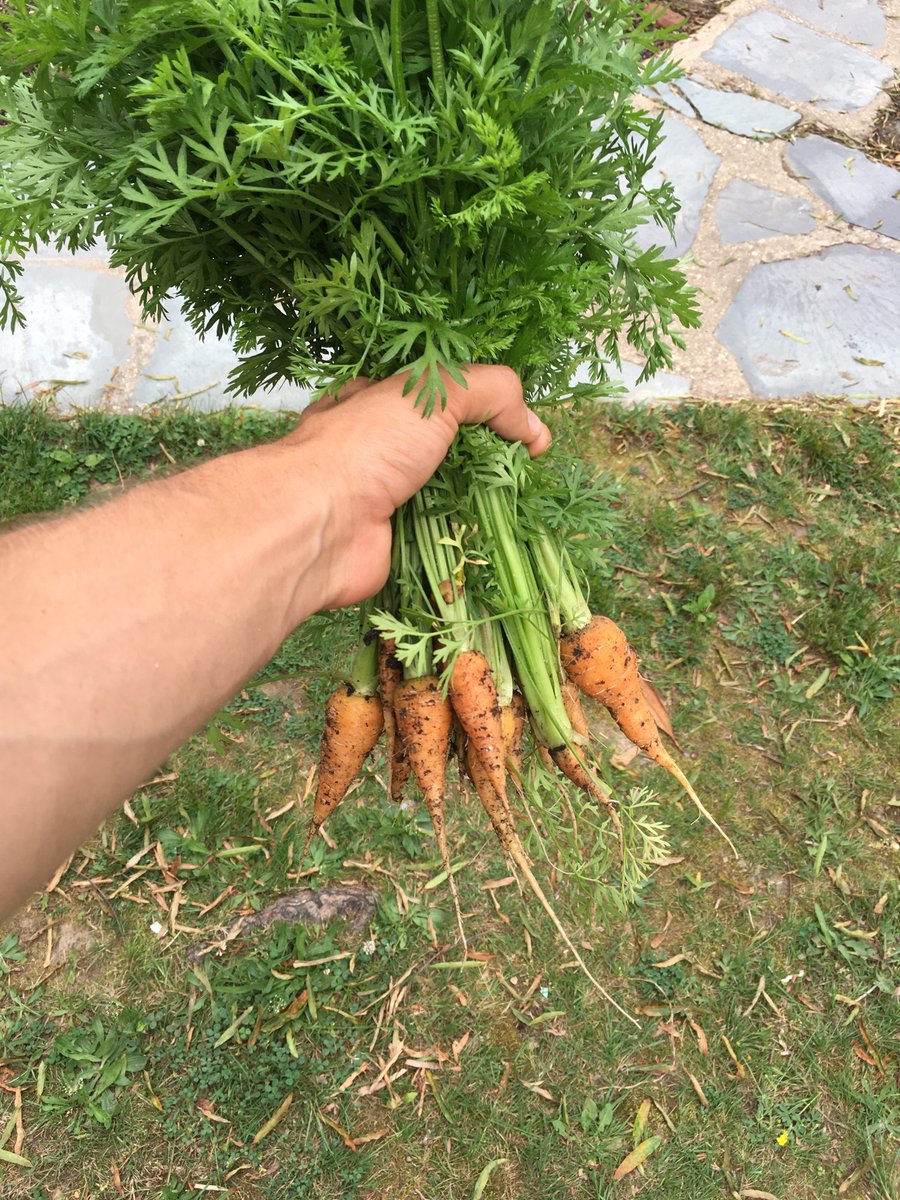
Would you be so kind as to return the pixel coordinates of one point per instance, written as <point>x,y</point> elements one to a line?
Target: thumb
<point>494,395</point>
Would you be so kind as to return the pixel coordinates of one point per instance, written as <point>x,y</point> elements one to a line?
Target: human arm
<point>127,626</point>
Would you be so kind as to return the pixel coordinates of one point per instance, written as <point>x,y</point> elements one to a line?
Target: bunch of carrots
<point>482,630</point>
<point>375,186</point>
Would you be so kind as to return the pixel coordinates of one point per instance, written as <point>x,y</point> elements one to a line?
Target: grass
<point>752,563</point>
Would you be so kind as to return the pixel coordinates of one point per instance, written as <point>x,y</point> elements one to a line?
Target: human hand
<point>373,450</point>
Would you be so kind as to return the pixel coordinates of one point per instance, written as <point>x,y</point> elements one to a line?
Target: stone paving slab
<point>687,163</point>
<point>798,63</point>
<point>196,371</point>
<point>825,324</point>
<point>746,212</point>
<point>856,20</point>
<point>77,334</point>
<point>861,191</point>
<point>736,112</point>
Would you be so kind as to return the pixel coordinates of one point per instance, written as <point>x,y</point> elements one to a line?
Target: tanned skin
<point>126,627</point>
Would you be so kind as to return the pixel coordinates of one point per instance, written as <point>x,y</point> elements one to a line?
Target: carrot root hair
<point>517,853</point>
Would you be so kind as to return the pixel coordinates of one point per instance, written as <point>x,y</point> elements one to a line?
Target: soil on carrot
<point>752,564</point>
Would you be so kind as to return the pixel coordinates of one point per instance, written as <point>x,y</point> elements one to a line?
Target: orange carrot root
<point>353,724</point>
<point>473,695</point>
<point>512,717</point>
<point>496,807</point>
<point>425,722</point>
<point>599,660</point>
<point>544,756</point>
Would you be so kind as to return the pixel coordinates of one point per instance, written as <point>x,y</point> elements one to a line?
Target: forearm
<point>127,626</point>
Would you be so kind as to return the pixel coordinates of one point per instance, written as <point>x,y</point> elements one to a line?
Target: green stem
<point>535,65</point>
<point>432,534</point>
<point>563,593</point>
<point>495,652</point>
<point>363,677</point>
<point>406,568</point>
<point>399,79</point>
<point>528,627</point>
<point>434,44</point>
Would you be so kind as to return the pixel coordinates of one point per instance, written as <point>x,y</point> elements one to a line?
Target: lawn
<point>152,1046</point>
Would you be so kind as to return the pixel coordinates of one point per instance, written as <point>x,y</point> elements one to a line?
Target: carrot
<point>353,724</point>
<point>496,807</point>
<point>473,695</point>
<point>390,675</point>
<point>512,718</point>
<point>598,659</point>
<point>425,721</point>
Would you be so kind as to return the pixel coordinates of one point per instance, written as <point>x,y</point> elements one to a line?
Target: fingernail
<point>535,424</point>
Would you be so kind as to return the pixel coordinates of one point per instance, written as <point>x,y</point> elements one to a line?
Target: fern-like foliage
<point>351,186</point>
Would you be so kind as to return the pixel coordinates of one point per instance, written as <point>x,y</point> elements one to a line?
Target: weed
<point>93,1063</point>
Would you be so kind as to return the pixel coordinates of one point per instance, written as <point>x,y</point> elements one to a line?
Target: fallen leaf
<point>702,1043</point>
<point>339,1130</point>
<point>266,1129</point>
<point>204,1105</point>
<point>492,884</point>
<point>482,1181</point>
<point>17,1160</point>
<point>657,707</point>
<point>640,1123</point>
<point>638,1155</point>
<point>658,938</point>
<point>670,962</point>
<point>739,1067</point>
<point>363,1139</point>
<point>695,1084</point>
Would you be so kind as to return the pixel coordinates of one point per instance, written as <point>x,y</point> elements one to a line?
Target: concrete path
<point>791,236</point>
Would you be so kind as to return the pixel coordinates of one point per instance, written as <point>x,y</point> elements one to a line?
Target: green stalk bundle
<point>359,187</point>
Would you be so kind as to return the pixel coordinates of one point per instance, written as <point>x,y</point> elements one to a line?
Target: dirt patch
<point>884,141</point>
<point>353,903</point>
<point>64,954</point>
<point>53,942</point>
<point>690,15</point>
<point>292,691</point>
